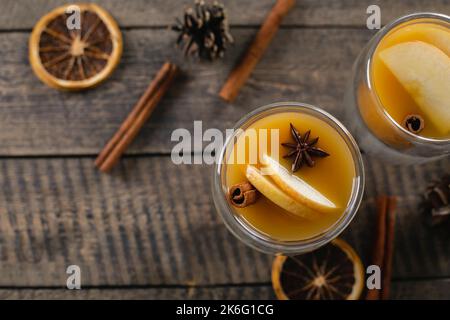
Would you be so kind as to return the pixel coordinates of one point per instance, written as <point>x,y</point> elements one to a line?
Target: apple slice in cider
<point>424,72</point>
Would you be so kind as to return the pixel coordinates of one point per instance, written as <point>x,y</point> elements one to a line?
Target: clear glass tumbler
<point>373,128</point>
<point>253,237</point>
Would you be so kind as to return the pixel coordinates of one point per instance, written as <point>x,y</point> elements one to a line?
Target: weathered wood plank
<point>263,292</point>
<point>143,224</point>
<point>37,120</point>
<point>23,14</point>
<point>427,289</point>
<point>424,290</point>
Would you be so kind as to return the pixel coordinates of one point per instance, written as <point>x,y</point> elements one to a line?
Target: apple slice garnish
<point>424,72</point>
<point>272,192</point>
<point>297,188</point>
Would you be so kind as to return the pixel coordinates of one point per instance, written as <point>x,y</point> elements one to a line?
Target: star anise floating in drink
<point>303,149</point>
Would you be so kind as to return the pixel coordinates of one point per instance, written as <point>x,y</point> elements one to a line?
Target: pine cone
<point>204,31</point>
<point>437,200</point>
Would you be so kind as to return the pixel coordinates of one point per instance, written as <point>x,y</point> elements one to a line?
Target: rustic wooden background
<point>149,229</point>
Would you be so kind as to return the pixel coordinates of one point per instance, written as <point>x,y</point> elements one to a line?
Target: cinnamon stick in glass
<point>114,149</point>
<point>242,71</point>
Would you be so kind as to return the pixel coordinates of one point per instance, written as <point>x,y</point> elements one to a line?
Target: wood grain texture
<point>23,14</point>
<point>37,120</point>
<point>260,292</point>
<point>143,225</point>
<point>426,289</point>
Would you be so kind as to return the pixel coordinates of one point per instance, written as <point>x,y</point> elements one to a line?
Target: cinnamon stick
<point>113,150</point>
<point>389,248</point>
<point>380,240</point>
<point>242,71</point>
<point>243,194</point>
<point>384,246</point>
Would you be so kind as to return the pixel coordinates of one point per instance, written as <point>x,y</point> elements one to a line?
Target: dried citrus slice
<point>333,272</point>
<point>79,58</point>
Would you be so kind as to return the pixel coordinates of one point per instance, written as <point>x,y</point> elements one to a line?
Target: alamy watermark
<point>74,279</point>
<point>73,21</point>
<point>373,21</point>
<point>245,146</point>
<point>373,281</point>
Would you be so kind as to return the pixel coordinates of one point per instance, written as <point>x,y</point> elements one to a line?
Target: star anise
<point>303,149</point>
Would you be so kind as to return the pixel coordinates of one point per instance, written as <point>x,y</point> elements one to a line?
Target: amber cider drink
<point>307,173</point>
<point>398,101</point>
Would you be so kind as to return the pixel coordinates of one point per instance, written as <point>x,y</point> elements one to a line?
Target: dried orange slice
<point>333,272</point>
<point>75,59</point>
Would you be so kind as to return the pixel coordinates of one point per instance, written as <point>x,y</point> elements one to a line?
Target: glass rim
<point>253,237</point>
<point>374,42</point>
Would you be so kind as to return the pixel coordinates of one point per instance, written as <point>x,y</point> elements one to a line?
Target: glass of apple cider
<point>398,102</point>
<point>289,179</point>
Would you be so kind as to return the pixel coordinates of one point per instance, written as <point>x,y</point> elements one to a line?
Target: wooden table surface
<point>149,229</point>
